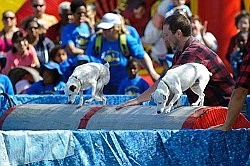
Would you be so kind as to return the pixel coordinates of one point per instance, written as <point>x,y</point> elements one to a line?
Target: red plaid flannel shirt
<point>244,75</point>
<point>221,84</point>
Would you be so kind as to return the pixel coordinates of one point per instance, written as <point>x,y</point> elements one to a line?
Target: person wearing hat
<point>51,83</point>
<point>112,52</point>
<point>5,83</point>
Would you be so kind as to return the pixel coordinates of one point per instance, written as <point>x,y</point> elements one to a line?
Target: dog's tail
<point>106,64</point>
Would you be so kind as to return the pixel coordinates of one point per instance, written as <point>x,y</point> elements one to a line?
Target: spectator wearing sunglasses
<point>44,19</point>
<point>9,27</point>
<point>42,44</point>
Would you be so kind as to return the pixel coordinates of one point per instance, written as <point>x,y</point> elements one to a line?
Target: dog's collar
<point>165,83</point>
<point>78,79</point>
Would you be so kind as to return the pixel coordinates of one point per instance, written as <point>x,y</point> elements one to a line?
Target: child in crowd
<point>51,83</point>
<point>240,51</point>
<point>242,23</point>
<point>178,5</point>
<point>59,55</point>
<point>5,83</point>
<point>21,54</point>
<point>133,84</point>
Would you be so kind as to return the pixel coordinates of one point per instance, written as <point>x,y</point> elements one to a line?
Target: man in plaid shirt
<point>220,86</point>
<point>177,32</point>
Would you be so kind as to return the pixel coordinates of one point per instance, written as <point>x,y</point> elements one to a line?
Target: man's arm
<point>234,108</point>
<point>238,96</point>
<point>145,96</point>
<point>74,50</point>
<point>148,64</point>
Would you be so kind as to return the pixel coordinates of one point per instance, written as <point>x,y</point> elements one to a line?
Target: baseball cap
<point>53,65</point>
<point>109,20</point>
<point>2,60</point>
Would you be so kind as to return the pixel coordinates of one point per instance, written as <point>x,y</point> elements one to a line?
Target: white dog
<point>177,80</point>
<point>92,74</point>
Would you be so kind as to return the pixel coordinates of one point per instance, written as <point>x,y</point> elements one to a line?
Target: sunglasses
<point>6,18</point>
<point>33,27</point>
<point>35,6</point>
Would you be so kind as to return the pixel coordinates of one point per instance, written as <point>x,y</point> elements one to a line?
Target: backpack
<point>122,42</point>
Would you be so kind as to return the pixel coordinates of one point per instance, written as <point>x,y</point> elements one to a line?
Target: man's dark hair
<point>179,21</point>
<point>135,4</point>
<point>76,4</point>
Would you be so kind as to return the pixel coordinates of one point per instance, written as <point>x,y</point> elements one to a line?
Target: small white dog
<point>92,74</point>
<point>177,80</point>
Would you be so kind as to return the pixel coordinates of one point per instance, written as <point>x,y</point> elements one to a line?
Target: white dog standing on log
<point>177,80</point>
<point>92,74</point>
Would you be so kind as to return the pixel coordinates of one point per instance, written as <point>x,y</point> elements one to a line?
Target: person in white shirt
<point>199,31</point>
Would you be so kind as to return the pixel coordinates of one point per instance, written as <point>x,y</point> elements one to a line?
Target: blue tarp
<point>120,147</point>
<point>141,147</point>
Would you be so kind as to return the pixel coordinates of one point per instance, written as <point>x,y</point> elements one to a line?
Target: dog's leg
<point>199,101</point>
<point>104,99</point>
<point>93,93</point>
<point>202,100</point>
<point>171,103</point>
<point>81,98</point>
<point>100,95</point>
<point>178,103</point>
<point>89,100</point>
<point>198,90</point>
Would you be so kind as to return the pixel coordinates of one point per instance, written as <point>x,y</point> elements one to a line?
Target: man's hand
<point>128,103</point>
<point>220,127</point>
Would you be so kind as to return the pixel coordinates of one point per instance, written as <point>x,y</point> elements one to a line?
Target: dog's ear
<point>72,88</point>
